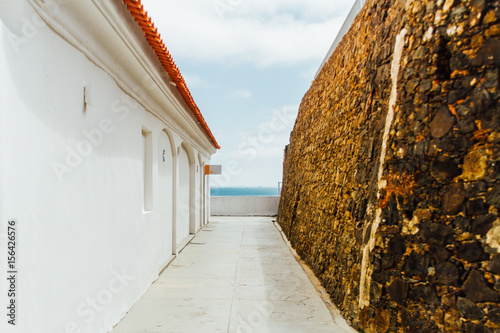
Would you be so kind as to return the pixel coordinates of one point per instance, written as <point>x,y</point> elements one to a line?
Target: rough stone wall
<point>395,203</point>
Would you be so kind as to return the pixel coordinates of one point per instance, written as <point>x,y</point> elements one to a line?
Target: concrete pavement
<point>237,275</point>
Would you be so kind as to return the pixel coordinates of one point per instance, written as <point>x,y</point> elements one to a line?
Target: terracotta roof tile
<point>153,37</point>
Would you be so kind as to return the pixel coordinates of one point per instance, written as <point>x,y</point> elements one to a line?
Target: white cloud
<point>259,32</point>
<point>264,9</point>
<point>240,93</point>
<point>197,81</point>
<point>251,33</point>
<point>256,158</point>
<point>268,138</point>
<point>193,80</point>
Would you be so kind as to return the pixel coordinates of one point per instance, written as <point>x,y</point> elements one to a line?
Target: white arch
<point>183,207</point>
<point>201,191</point>
<point>192,187</point>
<point>166,192</point>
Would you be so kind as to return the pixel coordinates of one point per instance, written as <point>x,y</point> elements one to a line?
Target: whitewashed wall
<point>72,174</point>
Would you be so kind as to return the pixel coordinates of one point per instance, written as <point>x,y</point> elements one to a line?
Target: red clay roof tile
<point>153,37</point>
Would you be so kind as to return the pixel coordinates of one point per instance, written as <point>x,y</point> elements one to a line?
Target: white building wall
<point>71,174</point>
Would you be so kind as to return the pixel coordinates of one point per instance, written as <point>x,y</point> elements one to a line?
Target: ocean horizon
<point>244,191</point>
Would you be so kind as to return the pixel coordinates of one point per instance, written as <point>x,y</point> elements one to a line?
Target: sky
<point>248,63</point>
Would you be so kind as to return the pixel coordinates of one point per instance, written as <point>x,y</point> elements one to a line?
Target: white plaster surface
<point>71,173</point>
<point>237,275</point>
<point>244,206</point>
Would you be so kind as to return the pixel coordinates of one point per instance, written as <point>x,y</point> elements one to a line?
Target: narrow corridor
<point>237,275</point>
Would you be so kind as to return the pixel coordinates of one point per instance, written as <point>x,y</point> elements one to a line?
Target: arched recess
<point>166,186</point>
<point>196,194</point>
<point>185,198</point>
<point>206,196</point>
<point>200,190</point>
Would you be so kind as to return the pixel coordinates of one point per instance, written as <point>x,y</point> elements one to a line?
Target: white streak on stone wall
<point>366,269</point>
<point>493,236</point>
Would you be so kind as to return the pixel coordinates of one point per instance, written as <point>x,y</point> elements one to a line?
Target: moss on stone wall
<point>403,228</point>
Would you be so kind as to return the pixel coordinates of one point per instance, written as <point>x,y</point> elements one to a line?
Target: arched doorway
<point>165,194</point>
<point>199,190</point>
<point>183,195</point>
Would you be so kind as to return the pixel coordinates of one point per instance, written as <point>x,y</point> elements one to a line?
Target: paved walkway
<point>237,275</point>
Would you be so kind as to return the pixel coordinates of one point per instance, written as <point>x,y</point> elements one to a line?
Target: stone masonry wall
<point>392,175</point>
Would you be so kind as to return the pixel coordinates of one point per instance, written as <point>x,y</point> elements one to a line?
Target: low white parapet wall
<point>244,206</point>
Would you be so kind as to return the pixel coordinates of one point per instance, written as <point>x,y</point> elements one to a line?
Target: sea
<point>244,191</point>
